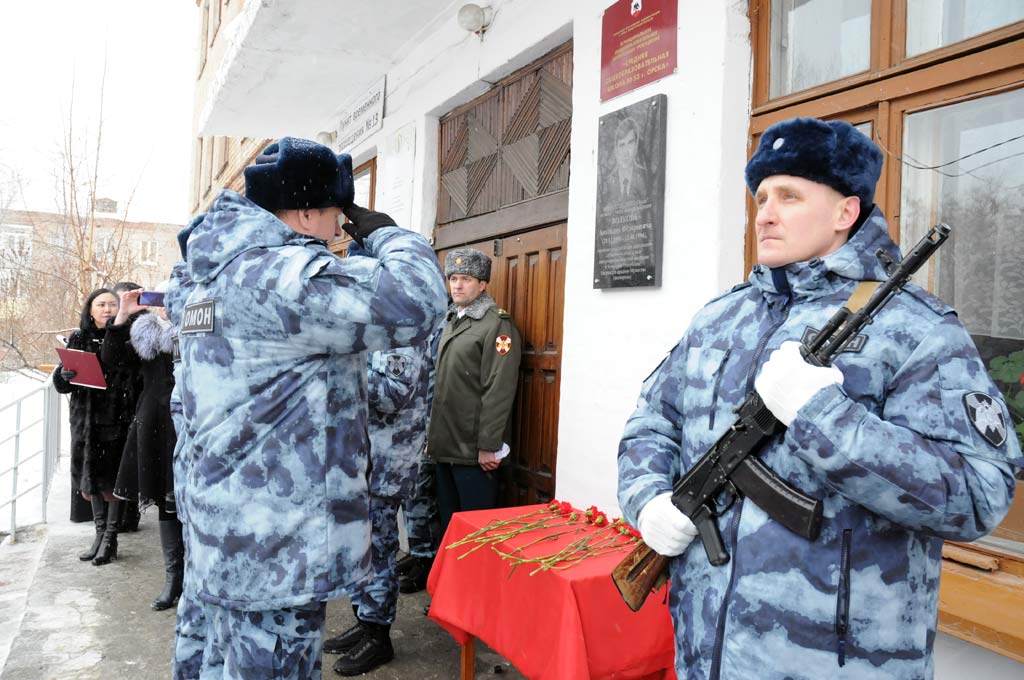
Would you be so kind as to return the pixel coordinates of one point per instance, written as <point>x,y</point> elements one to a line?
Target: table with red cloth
<point>558,624</point>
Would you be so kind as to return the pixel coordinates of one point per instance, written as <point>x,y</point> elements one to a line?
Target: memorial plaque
<point>631,195</point>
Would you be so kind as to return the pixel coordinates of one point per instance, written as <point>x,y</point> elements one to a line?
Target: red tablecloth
<point>554,625</point>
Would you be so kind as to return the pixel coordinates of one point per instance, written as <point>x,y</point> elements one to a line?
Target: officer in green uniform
<point>476,377</point>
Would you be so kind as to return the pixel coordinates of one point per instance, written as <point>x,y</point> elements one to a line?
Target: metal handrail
<point>30,425</point>
<point>28,394</point>
<point>51,447</point>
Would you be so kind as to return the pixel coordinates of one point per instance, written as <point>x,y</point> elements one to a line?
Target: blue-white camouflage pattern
<point>422,520</point>
<point>271,462</point>
<point>399,411</point>
<point>214,643</point>
<point>398,382</point>
<point>891,453</point>
<point>377,598</point>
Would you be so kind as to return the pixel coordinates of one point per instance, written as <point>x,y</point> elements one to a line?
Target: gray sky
<point>147,114</point>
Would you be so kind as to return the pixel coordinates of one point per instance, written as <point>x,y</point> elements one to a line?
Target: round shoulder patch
<point>502,344</point>
<point>986,416</point>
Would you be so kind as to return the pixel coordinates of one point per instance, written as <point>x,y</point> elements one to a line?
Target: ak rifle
<point>730,468</point>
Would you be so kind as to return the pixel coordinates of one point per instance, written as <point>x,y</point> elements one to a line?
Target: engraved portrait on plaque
<point>631,195</point>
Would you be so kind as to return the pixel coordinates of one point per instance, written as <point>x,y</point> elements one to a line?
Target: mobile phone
<point>149,298</point>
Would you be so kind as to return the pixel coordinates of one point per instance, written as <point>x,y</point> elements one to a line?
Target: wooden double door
<point>528,280</point>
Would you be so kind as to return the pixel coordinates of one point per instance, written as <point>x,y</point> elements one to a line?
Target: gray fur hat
<point>469,262</point>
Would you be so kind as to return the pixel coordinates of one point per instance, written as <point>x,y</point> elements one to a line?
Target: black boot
<point>108,547</point>
<point>99,519</point>
<point>373,650</point>
<point>173,548</point>
<point>130,517</point>
<point>347,640</point>
<point>403,565</point>
<point>415,580</point>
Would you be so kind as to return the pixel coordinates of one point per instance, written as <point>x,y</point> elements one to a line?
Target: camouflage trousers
<point>377,599</point>
<point>214,643</point>
<point>422,522</point>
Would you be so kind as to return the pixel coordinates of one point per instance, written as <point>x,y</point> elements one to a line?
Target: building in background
<point>49,262</point>
<point>481,126</point>
<point>144,252</point>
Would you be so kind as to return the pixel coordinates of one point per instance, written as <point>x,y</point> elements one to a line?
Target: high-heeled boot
<point>99,519</point>
<point>108,546</point>
<point>173,548</point>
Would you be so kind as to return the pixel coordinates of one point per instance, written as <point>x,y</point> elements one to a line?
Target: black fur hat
<point>832,152</point>
<point>297,174</point>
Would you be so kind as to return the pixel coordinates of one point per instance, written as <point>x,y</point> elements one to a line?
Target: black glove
<point>364,222</point>
<point>67,375</point>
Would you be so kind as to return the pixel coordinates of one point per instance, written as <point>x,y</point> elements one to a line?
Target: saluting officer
<point>271,462</point>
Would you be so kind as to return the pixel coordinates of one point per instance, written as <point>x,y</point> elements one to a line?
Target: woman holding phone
<point>141,338</point>
<point>99,425</point>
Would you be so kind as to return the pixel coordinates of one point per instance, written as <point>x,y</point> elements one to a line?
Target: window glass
<point>363,181</point>
<point>934,23</point>
<point>963,164</point>
<point>816,41</point>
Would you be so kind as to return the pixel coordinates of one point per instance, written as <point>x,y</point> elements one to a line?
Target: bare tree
<point>70,252</point>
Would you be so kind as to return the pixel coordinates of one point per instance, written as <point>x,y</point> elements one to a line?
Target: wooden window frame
<point>204,31</point>
<point>339,246</point>
<point>214,21</point>
<point>220,156</point>
<point>888,42</point>
<point>197,165</point>
<point>982,588</point>
<point>206,177</point>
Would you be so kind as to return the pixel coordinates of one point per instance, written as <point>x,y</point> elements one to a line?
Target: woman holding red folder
<point>99,426</point>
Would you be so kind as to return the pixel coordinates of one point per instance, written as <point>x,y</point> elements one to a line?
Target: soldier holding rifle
<point>904,439</point>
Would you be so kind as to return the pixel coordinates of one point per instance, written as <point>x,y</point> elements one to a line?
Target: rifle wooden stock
<point>640,573</point>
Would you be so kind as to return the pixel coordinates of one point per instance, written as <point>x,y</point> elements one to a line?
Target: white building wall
<point>612,338</point>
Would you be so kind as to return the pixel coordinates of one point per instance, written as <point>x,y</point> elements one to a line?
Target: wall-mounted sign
<point>361,117</point>
<point>396,163</point>
<point>638,44</point>
<point>631,195</point>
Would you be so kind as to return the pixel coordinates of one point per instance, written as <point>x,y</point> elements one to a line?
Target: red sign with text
<point>638,44</point>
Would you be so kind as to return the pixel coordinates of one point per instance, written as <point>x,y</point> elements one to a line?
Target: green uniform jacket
<point>476,378</point>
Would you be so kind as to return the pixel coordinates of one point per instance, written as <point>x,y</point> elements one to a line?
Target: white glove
<point>787,382</point>
<point>664,527</point>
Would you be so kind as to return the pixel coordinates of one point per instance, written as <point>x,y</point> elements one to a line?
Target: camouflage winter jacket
<point>270,469</point>
<point>399,411</point>
<point>899,455</point>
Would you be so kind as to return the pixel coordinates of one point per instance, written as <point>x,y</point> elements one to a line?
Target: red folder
<point>86,365</point>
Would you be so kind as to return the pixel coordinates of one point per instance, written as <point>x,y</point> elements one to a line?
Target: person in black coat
<point>143,341</point>
<point>99,425</point>
<point>130,514</point>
